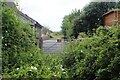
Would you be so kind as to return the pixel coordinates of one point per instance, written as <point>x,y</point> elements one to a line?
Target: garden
<point>94,58</point>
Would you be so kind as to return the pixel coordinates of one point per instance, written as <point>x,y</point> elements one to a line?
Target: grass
<point>56,35</point>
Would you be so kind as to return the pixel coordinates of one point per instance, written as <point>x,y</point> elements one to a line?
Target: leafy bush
<point>48,67</point>
<point>18,39</point>
<point>82,35</point>
<point>95,58</point>
<point>18,42</point>
<point>20,56</point>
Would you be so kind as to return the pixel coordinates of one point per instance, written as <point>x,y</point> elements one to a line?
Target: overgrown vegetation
<point>18,42</point>
<point>21,58</point>
<point>93,58</point>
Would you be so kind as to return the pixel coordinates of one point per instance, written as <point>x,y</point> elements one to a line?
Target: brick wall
<point>111,18</point>
<point>119,17</point>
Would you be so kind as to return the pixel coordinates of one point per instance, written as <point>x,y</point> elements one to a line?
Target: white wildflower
<point>32,67</point>
<point>62,69</point>
<point>5,44</point>
<point>35,68</point>
<point>81,51</point>
<point>30,70</point>
<point>48,68</point>
<point>55,75</point>
<point>17,68</point>
<point>6,31</point>
<point>64,72</point>
<point>2,37</point>
<point>61,66</point>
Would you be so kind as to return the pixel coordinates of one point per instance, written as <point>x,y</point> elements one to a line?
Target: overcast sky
<point>50,12</point>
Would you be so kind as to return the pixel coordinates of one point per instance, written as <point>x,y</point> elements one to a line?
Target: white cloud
<point>50,12</point>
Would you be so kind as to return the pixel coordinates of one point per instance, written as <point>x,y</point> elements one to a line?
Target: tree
<point>90,18</point>
<point>94,13</point>
<point>68,28</point>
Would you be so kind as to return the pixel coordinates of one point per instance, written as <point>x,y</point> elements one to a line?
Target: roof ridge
<point>112,10</point>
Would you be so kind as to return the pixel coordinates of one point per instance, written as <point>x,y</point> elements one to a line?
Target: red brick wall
<point>109,19</point>
<point>119,17</point>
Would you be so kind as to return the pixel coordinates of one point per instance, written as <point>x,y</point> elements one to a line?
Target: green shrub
<point>18,43</point>
<point>82,35</point>
<point>97,57</point>
<point>94,58</point>
<point>18,39</point>
<point>20,56</point>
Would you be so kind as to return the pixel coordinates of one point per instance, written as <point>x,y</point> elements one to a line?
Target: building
<point>34,24</point>
<point>112,17</point>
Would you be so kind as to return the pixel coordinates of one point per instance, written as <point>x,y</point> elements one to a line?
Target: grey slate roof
<point>33,22</point>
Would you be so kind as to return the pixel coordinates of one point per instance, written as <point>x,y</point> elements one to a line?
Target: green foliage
<point>90,18</point>
<point>68,28</point>
<point>48,67</point>
<point>94,13</point>
<point>82,35</point>
<point>95,58</point>
<point>18,39</point>
<point>20,56</point>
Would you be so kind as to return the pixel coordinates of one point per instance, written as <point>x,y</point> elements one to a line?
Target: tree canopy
<point>86,20</point>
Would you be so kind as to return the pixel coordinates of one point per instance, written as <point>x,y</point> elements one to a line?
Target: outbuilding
<point>112,17</point>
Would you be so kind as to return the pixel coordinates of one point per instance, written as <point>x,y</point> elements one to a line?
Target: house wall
<point>38,36</point>
<point>38,30</point>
